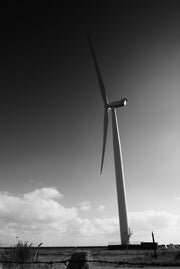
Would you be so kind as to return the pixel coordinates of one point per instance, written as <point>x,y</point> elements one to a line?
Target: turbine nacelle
<point>117,104</point>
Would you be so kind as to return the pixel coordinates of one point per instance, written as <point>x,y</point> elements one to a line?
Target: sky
<point>51,122</point>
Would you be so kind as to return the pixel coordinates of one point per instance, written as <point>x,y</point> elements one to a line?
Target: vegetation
<point>177,257</point>
<point>21,252</point>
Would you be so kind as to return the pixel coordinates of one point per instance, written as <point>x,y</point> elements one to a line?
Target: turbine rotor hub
<point>107,106</point>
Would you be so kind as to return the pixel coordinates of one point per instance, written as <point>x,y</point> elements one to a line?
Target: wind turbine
<point>121,194</point>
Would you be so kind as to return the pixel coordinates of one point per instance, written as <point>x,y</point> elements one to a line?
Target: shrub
<point>21,252</point>
<point>177,257</point>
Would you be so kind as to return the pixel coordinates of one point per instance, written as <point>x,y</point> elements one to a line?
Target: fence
<point>91,264</point>
<point>11,264</point>
<point>83,260</point>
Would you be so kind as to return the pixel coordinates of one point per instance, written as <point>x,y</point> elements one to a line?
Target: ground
<point>114,258</point>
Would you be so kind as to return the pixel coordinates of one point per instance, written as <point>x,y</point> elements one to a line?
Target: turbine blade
<point>106,119</point>
<point>100,80</point>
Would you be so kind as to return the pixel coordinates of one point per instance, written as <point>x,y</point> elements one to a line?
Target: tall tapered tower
<point>120,184</point>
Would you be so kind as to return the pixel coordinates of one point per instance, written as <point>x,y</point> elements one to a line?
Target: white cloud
<point>101,208</point>
<point>166,226</point>
<point>177,198</point>
<point>106,225</point>
<point>38,216</point>
<point>34,214</point>
<point>44,193</point>
<point>85,206</point>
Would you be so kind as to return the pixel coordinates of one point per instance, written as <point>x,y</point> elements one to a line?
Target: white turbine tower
<point>121,194</point>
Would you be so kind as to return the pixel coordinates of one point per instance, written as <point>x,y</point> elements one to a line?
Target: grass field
<point>110,259</point>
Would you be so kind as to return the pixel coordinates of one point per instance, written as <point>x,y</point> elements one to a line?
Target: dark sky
<point>49,91</point>
<point>50,102</point>
<point>51,110</point>
<point>45,60</point>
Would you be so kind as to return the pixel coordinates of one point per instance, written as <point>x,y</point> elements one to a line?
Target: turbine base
<point>141,246</point>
